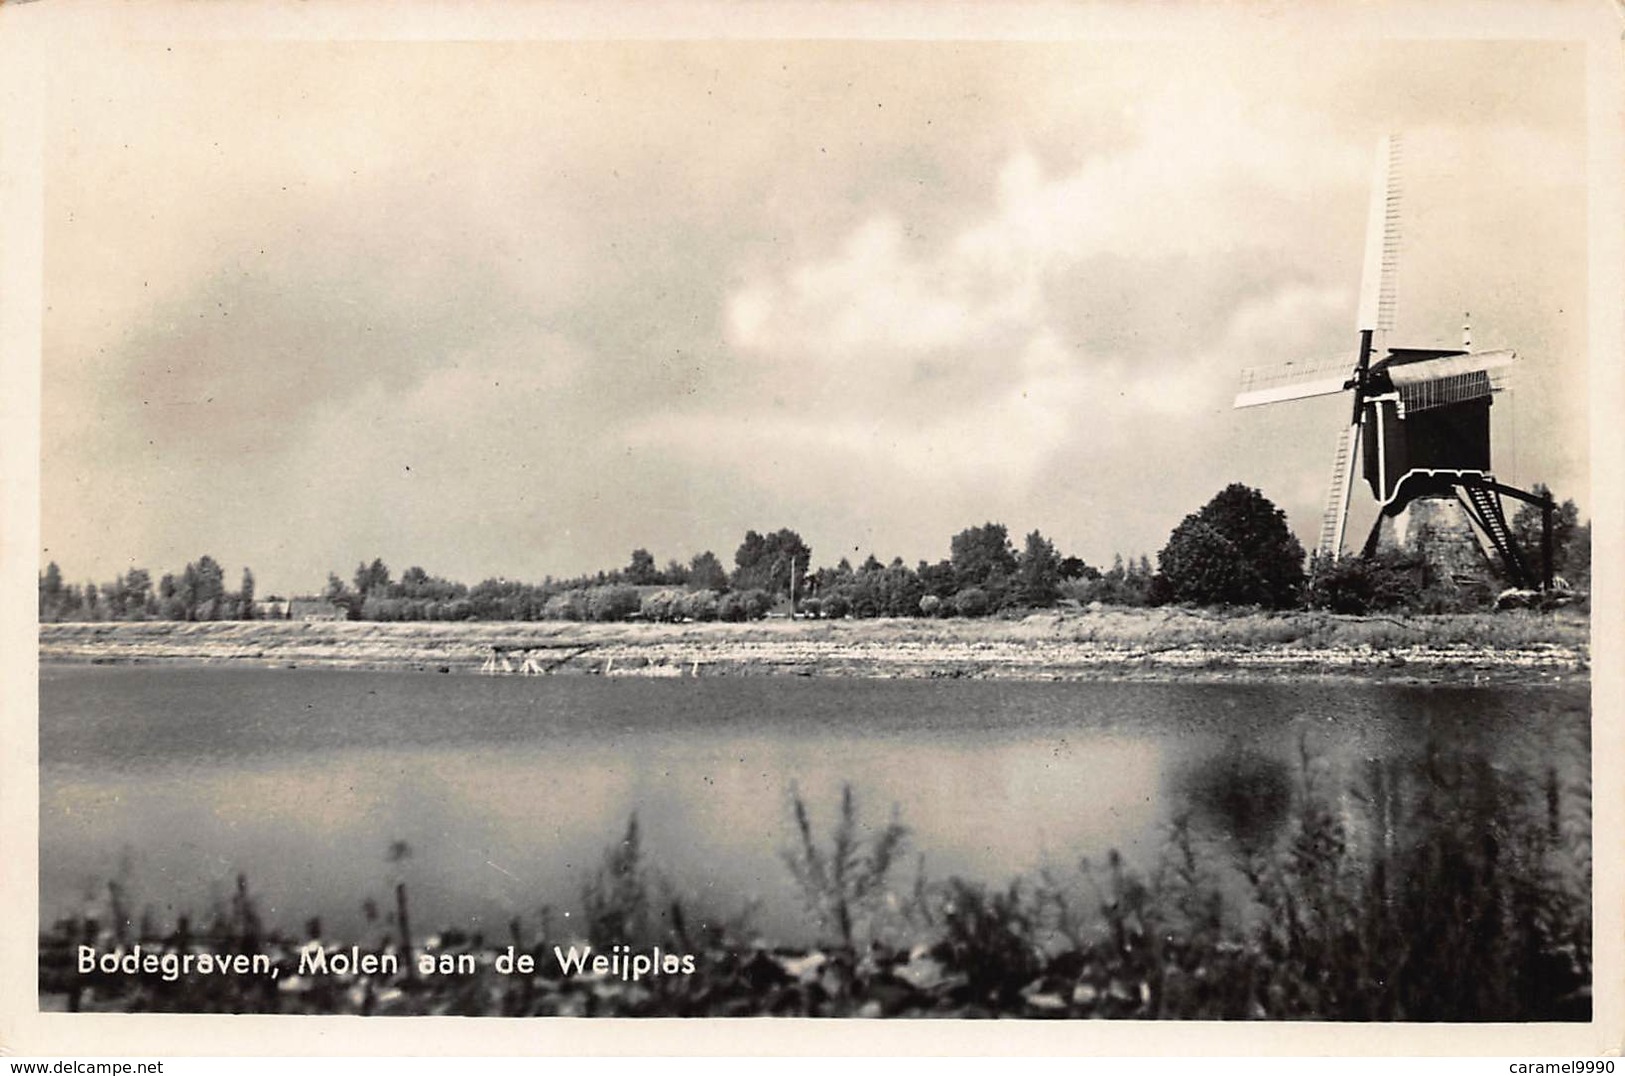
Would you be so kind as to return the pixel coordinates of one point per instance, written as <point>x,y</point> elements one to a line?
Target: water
<point>508,790</point>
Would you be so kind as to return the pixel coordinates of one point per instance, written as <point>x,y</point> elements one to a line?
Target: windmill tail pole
<point>1546,508</point>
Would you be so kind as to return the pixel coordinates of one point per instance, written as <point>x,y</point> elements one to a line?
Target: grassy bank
<point>1440,888</point>
<point>1080,644</point>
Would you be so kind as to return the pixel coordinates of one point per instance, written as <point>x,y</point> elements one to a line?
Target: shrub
<point>1359,585</point>
<point>612,603</point>
<point>972,601</point>
<point>835,607</point>
<point>700,605</point>
<point>930,605</point>
<point>756,603</point>
<point>656,606</point>
<point>566,605</point>
<point>812,607</point>
<point>663,605</point>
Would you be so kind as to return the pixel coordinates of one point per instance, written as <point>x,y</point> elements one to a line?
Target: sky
<point>518,308</point>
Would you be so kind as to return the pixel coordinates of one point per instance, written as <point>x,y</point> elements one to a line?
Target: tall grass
<point>1437,887</point>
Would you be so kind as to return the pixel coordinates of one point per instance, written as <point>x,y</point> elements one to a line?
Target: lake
<point>508,790</point>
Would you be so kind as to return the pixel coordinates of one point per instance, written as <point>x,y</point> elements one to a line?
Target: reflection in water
<point>507,789</point>
<point>1237,792</point>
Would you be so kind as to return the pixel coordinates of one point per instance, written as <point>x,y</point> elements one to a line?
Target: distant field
<point>1110,643</point>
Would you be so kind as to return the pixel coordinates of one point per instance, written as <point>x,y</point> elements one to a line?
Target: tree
<point>372,578</point>
<point>705,572</point>
<point>114,593</point>
<point>1576,559</point>
<point>938,578</point>
<point>50,593</point>
<point>642,571</point>
<point>245,597</point>
<point>978,553</point>
<point>766,562</point>
<point>1038,572</point>
<point>202,589</point>
<point>1238,550</point>
<point>1076,568</point>
<point>415,583</point>
<point>137,592</point>
<point>1571,540</point>
<point>339,594</point>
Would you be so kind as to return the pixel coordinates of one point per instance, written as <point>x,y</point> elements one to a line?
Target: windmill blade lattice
<point>1294,380</point>
<point>1379,278</point>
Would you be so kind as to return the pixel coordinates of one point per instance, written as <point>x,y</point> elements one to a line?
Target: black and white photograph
<point>850,514</point>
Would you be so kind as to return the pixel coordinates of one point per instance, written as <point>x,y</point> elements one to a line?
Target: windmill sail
<point>1378,277</point>
<point>1294,380</point>
<point>1334,521</point>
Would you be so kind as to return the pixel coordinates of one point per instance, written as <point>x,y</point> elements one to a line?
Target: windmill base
<point>1438,532</point>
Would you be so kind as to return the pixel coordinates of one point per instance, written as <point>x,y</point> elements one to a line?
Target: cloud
<point>501,308</point>
<point>1070,313</point>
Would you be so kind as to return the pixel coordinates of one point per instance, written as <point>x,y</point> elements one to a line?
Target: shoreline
<point>1116,644</point>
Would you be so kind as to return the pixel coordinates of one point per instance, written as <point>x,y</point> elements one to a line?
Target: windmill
<point>1420,422</point>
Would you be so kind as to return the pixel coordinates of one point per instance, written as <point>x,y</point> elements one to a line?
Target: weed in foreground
<point>1433,888</point>
<point>844,884</point>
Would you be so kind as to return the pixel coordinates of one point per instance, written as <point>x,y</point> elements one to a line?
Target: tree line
<point>1236,550</point>
<point>197,593</point>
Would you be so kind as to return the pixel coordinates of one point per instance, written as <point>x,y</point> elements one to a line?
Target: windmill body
<point>1421,419</point>
<point>1420,422</point>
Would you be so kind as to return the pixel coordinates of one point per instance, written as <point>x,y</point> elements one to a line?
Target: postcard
<point>555,526</point>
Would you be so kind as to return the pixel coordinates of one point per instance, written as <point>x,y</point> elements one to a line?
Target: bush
<point>1357,585</point>
<point>835,607</point>
<point>930,605</point>
<point>567,605</point>
<point>756,603</point>
<point>655,607</point>
<point>812,607</point>
<point>663,605</point>
<point>972,601</point>
<point>612,603</point>
<point>700,605</point>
